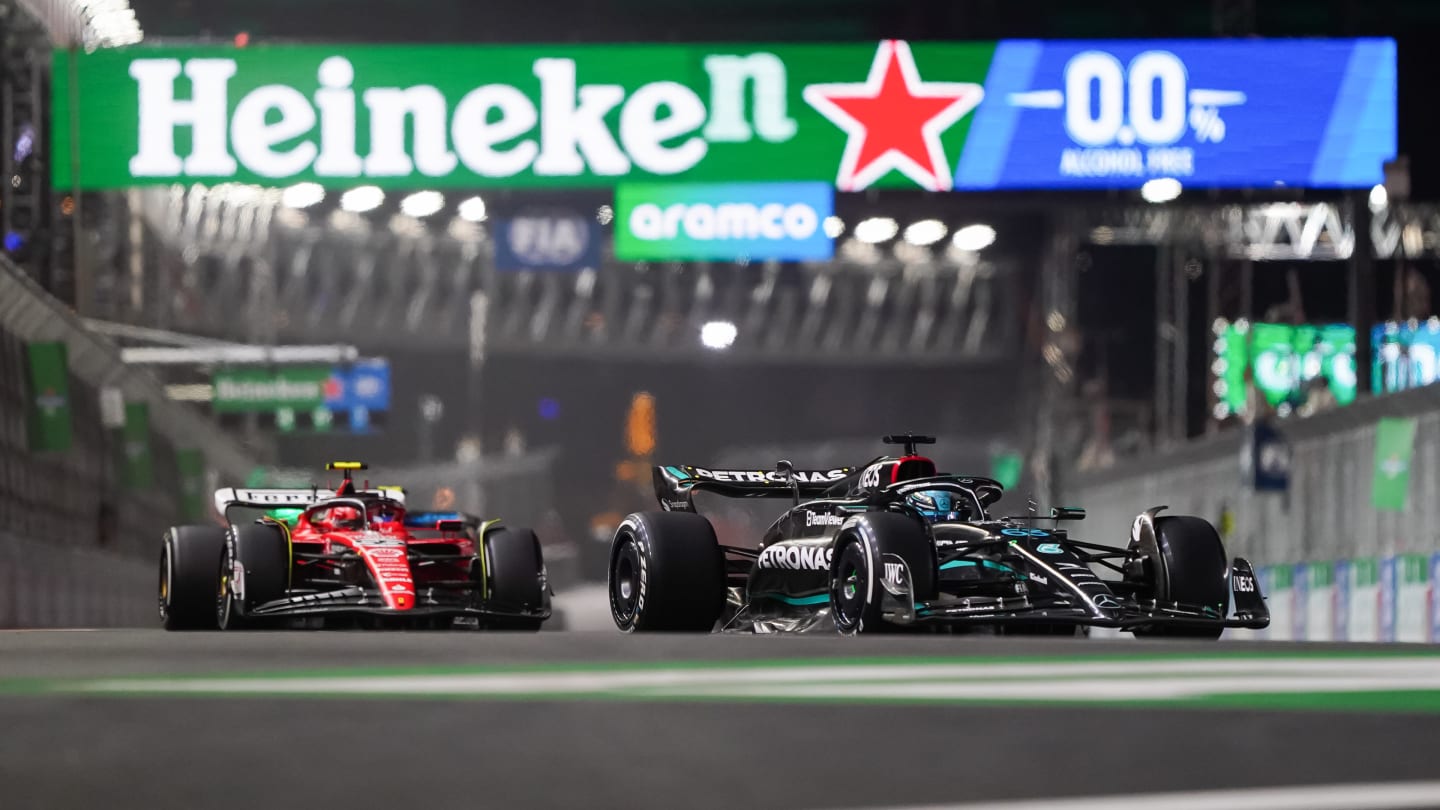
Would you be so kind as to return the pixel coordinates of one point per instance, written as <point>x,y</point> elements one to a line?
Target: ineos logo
<point>1244,583</point>
<point>870,479</point>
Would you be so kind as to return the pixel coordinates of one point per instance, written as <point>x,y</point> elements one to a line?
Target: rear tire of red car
<point>263,552</point>
<point>516,570</point>
<point>189,557</point>
<point>1191,567</point>
<point>667,574</point>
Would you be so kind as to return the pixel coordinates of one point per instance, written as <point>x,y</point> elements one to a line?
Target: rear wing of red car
<point>675,485</point>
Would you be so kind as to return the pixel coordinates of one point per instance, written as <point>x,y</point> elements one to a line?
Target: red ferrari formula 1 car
<point>348,557</point>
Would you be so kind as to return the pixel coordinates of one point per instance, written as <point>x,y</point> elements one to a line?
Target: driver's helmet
<point>385,515</point>
<point>346,517</point>
<point>936,504</point>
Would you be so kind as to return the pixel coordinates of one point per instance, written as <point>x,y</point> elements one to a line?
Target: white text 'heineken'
<point>494,130</point>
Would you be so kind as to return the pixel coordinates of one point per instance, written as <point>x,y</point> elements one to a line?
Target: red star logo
<point>334,388</point>
<point>894,120</point>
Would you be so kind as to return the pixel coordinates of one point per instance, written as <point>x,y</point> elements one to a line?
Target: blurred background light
<point>362,199</point>
<point>876,230</point>
<point>925,232</point>
<point>973,238</point>
<point>423,203</point>
<point>303,195</point>
<point>718,334</point>
<point>1161,190</point>
<point>472,210</point>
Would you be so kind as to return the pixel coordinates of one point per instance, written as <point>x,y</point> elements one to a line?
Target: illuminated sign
<point>783,221</point>
<point>1211,113</point>
<point>931,115</point>
<point>1282,360</point>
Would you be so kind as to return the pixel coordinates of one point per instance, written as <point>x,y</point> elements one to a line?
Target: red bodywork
<point>385,546</point>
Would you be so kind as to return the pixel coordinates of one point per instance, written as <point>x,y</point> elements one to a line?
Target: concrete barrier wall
<point>1326,515</point>
<point>46,585</point>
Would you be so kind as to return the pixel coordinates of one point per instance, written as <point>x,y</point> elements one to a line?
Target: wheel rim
<point>165,583</point>
<point>223,602</point>
<point>625,583</point>
<point>848,593</point>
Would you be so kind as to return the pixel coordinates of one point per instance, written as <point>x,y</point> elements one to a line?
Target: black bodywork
<point>1013,573</point>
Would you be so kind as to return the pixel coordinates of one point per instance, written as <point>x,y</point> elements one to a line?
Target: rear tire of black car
<point>263,552</point>
<point>667,574</point>
<point>855,586</point>
<point>516,570</point>
<point>1191,568</point>
<point>189,556</point>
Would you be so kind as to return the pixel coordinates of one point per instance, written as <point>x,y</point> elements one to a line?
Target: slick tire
<point>858,564</point>
<point>1195,571</point>
<point>261,551</point>
<point>189,557</point>
<point>667,574</point>
<point>516,570</point>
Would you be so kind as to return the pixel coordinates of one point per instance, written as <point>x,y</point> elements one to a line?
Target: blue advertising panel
<point>1405,355</point>
<point>547,241</point>
<point>1211,113</point>
<point>1433,599</point>
<point>364,385</point>
<point>1389,589</point>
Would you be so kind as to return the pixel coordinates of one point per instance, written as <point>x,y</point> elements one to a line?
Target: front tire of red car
<point>189,556</point>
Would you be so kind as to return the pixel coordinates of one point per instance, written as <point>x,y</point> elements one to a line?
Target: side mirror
<point>1067,513</point>
<point>450,525</point>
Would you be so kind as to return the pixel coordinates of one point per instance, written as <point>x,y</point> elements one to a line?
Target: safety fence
<point>1346,551</point>
<point>78,522</point>
<point>47,585</point>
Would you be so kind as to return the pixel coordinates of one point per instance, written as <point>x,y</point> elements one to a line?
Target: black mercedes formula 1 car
<point>895,544</point>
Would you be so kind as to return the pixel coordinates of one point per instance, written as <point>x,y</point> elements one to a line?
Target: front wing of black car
<point>1083,606</point>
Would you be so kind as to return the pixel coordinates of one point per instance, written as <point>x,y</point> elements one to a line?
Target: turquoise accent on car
<point>818,599</point>
<point>982,563</point>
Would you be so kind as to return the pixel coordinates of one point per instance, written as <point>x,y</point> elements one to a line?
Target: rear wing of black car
<point>675,485</point>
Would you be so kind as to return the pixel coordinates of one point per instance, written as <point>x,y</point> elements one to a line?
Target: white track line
<point>1038,680</point>
<point>1373,796</point>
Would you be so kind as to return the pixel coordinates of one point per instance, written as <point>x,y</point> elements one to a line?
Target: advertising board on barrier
<point>1433,600</point>
<point>547,241</point>
<point>1411,593</point>
<point>365,384</point>
<point>1341,610</point>
<point>929,115</point>
<point>783,221</point>
<point>1364,600</point>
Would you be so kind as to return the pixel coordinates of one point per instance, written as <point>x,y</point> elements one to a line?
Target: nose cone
<point>390,566</point>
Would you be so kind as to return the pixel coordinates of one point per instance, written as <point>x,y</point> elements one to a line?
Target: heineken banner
<point>254,390</point>
<point>1394,445</point>
<point>191,466</point>
<point>930,115</point>
<point>49,410</point>
<point>136,465</point>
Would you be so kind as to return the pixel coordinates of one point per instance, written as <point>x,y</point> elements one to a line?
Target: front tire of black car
<point>855,587</point>
<point>516,572</point>
<point>262,552</point>
<point>667,574</point>
<point>1188,565</point>
<point>189,556</point>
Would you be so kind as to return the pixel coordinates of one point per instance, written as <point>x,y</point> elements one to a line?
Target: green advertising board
<point>263,390</point>
<point>518,116</point>
<point>137,469</point>
<point>1282,359</point>
<point>49,411</point>
<point>190,464</point>
<point>1394,447</point>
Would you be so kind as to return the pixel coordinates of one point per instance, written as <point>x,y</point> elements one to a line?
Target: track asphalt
<point>122,719</point>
